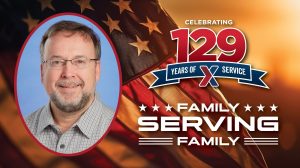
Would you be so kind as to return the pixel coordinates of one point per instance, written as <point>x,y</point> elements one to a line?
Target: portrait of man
<point>74,119</point>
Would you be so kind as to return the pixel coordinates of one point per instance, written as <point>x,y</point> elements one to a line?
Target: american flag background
<point>140,32</point>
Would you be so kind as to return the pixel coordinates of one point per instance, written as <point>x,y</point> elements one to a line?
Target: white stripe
<point>155,143</point>
<point>260,143</point>
<point>156,138</point>
<point>260,138</point>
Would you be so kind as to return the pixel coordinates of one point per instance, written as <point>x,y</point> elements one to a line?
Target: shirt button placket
<point>62,145</point>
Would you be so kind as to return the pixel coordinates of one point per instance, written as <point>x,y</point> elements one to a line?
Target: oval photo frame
<point>30,94</point>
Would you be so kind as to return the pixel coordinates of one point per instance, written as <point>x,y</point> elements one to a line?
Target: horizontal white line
<point>155,138</point>
<point>155,143</point>
<point>260,143</point>
<point>260,138</point>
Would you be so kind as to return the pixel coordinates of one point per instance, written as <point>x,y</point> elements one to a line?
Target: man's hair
<point>73,27</point>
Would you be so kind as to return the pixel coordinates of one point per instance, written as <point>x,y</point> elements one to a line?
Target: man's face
<point>70,88</point>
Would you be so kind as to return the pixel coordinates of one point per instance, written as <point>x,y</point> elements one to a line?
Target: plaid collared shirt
<point>84,133</point>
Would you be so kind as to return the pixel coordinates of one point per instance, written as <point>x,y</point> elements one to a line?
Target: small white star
<point>155,107</point>
<point>247,108</point>
<point>168,107</point>
<point>142,107</point>
<point>260,107</point>
<point>273,107</point>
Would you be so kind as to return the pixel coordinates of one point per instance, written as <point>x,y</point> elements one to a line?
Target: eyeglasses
<point>58,63</point>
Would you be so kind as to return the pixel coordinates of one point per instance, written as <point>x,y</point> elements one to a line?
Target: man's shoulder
<point>32,119</point>
<point>107,111</point>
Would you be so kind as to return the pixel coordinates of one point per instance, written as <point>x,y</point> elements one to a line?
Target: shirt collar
<point>86,124</point>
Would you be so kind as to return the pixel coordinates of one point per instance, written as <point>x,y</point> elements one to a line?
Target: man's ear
<point>98,70</point>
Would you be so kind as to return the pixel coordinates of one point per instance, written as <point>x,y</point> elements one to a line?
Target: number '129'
<point>230,51</point>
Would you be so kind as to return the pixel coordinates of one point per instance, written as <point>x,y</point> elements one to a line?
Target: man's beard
<point>67,105</point>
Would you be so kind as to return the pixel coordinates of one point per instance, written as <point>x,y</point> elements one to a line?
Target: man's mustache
<point>69,83</point>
